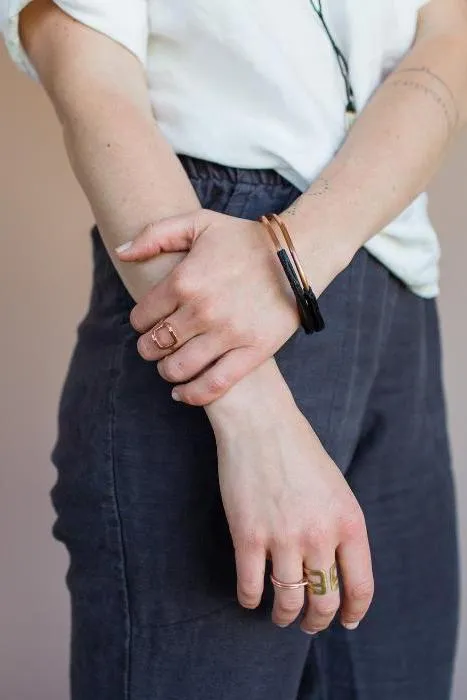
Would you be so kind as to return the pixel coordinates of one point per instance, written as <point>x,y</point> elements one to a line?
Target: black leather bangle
<point>308,308</point>
<point>307,304</point>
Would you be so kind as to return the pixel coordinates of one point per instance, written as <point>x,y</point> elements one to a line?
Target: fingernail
<point>123,247</point>
<point>282,626</point>
<point>309,631</point>
<point>175,395</point>
<point>351,625</point>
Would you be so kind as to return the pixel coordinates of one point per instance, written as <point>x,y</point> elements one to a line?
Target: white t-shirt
<point>256,84</point>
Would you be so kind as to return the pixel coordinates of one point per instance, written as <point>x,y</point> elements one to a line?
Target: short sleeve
<point>124,21</point>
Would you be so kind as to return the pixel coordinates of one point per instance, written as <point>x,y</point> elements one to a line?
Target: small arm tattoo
<point>318,189</point>
<point>451,114</point>
<point>427,71</point>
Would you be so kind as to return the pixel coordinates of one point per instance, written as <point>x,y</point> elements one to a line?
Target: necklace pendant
<point>350,117</point>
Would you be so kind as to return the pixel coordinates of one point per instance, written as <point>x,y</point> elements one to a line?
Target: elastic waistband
<point>198,168</point>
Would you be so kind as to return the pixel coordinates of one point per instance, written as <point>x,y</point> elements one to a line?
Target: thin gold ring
<point>288,586</point>
<point>171,331</point>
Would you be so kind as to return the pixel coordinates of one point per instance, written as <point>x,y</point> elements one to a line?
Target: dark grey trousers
<point>152,576</point>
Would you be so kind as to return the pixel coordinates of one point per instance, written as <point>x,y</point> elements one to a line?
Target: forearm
<point>390,154</point>
<point>127,170</point>
<point>130,177</point>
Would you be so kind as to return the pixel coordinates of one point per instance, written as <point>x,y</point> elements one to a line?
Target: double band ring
<point>156,338</point>
<point>288,586</point>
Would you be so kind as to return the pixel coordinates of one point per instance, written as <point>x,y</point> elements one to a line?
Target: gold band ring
<point>320,581</point>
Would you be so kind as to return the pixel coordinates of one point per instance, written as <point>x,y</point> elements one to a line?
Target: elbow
<point>46,33</point>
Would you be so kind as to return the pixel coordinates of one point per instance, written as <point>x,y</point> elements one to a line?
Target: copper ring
<point>288,586</point>
<point>171,331</point>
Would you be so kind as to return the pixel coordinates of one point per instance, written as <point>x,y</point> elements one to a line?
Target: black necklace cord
<point>341,60</point>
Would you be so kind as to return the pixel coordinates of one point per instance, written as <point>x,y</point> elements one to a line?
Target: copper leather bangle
<point>308,308</point>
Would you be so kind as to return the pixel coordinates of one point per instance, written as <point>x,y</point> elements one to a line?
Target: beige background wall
<point>44,286</point>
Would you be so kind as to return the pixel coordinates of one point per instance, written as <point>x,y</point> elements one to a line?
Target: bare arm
<point>126,168</point>
<point>397,143</point>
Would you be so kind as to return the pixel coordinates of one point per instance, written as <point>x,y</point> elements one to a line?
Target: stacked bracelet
<point>308,309</point>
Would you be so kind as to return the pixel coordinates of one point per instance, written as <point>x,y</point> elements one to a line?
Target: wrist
<point>325,246</point>
<point>260,397</point>
<point>285,293</point>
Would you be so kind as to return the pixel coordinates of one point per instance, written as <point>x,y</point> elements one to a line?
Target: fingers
<point>179,289</point>
<point>191,359</point>
<point>218,379</point>
<point>354,560</point>
<point>159,303</point>
<point>251,563</point>
<point>288,569</point>
<point>320,568</point>
<point>323,596</point>
<point>181,324</point>
<point>171,235</point>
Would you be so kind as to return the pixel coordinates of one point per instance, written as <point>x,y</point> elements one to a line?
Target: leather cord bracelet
<point>308,308</point>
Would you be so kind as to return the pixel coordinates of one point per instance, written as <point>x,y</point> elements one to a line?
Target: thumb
<point>171,235</point>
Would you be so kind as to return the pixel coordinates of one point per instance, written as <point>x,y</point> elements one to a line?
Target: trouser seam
<point>117,370</point>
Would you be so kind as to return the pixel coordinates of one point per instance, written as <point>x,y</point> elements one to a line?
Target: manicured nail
<point>351,625</point>
<point>309,631</point>
<point>175,395</point>
<point>123,247</point>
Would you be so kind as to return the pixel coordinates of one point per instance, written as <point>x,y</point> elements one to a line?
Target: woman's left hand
<point>228,302</point>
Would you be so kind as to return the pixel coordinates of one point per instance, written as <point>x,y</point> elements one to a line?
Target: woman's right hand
<point>285,498</point>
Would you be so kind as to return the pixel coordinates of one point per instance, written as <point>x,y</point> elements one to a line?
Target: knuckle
<point>251,539</point>
<point>183,285</point>
<point>317,536</point>
<point>362,592</point>
<point>136,320</point>
<point>281,541</point>
<point>194,398</point>
<point>229,329</point>
<point>325,611</point>
<point>353,524</point>
<point>287,533</point>
<point>206,312</point>
<point>144,348</point>
<point>248,590</point>
<point>173,370</point>
<point>250,335</point>
<point>217,384</point>
<point>287,608</point>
